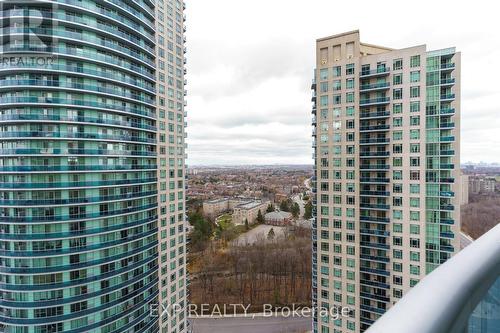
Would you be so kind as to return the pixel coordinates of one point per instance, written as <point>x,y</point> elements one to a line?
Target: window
<point>397,175</point>
<point>337,71</point>
<point>349,69</point>
<point>397,135</point>
<point>397,121</point>
<point>397,93</point>
<point>415,202</point>
<point>415,148</point>
<point>415,106</point>
<point>323,87</point>
<point>336,112</point>
<point>414,161</point>
<point>397,79</point>
<point>415,61</point>
<point>349,97</point>
<point>414,92</point>
<point>397,149</point>
<point>397,108</point>
<point>323,74</point>
<point>414,120</point>
<point>397,161</point>
<point>415,134</point>
<point>414,270</point>
<point>397,64</point>
<point>397,227</point>
<point>323,101</point>
<point>349,111</point>
<point>337,99</point>
<point>414,175</point>
<point>415,76</point>
<point>337,85</point>
<point>349,83</point>
<point>414,228</point>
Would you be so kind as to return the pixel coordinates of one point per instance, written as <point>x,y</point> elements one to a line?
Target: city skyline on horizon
<point>249,98</point>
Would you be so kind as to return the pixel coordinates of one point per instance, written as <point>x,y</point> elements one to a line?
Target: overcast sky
<point>250,64</point>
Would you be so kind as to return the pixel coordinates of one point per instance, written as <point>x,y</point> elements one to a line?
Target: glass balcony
<point>466,302</point>
<point>450,138</point>
<point>375,167</point>
<point>447,125</point>
<point>374,86</point>
<point>380,114</point>
<point>448,65</point>
<point>377,180</point>
<point>381,71</point>
<point>375,206</point>
<point>375,141</point>
<point>447,97</point>
<point>447,111</point>
<point>374,219</point>
<point>374,153</point>
<point>383,127</point>
<point>375,101</point>
<point>447,152</point>
<point>375,193</point>
<point>447,81</point>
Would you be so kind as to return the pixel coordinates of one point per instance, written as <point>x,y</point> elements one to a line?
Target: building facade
<point>92,166</point>
<point>249,211</point>
<point>482,185</point>
<point>387,181</point>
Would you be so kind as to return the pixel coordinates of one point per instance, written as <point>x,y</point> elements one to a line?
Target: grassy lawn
<point>225,221</point>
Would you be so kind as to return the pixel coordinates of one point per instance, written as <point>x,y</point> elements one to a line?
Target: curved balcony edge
<point>444,300</point>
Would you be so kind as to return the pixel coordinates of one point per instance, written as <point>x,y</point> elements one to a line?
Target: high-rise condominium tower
<point>92,166</point>
<point>386,139</point>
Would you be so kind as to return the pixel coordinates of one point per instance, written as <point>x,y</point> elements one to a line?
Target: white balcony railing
<point>445,299</point>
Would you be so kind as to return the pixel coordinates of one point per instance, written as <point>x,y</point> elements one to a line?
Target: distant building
<point>216,207</point>
<point>464,197</point>
<point>249,211</point>
<point>280,197</point>
<point>278,218</point>
<point>484,185</point>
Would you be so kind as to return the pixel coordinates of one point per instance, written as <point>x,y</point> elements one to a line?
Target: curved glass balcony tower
<point>78,167</point>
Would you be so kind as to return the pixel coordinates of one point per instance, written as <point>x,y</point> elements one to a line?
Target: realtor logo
<point>27,27</point>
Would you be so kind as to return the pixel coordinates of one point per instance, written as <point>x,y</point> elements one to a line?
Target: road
<point>251,325</point>
<point>297,198</point>
<point>258,233</point>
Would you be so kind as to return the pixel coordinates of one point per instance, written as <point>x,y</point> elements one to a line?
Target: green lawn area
<point>224,221</point>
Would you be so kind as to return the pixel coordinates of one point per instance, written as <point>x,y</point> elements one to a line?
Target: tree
<point>270,208</point>
<point>295,210</point>
<point>260,218</point>
<point>285,205</point>
<point>246,224</point>
<point>202,230</point>
<point>270,234</point>
<point>308,210</point>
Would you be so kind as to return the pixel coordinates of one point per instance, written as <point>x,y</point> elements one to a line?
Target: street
<point>251,325</point>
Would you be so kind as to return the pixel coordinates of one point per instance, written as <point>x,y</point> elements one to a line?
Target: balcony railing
<point>375,86</point>
<point>375,72</point>
<point>374,101</point>
<point>446,298</point>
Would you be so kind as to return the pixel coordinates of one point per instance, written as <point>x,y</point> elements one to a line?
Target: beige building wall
<point>170,50</point>
<point>215,207</point>
<point>249,211</point>
<point>464,199</point>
